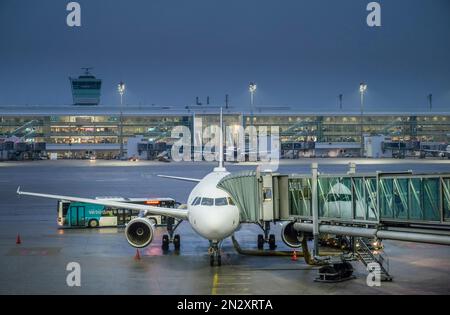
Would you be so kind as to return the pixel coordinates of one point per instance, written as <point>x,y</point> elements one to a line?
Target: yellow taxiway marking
<point>238,282</point>
<point>215,282</point>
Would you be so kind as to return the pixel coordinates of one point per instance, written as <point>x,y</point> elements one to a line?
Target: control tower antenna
<point>86,70</point>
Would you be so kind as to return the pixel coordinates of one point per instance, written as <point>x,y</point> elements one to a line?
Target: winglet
<point>18,190</point>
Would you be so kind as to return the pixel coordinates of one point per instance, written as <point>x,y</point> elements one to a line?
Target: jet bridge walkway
<point>400,206</point>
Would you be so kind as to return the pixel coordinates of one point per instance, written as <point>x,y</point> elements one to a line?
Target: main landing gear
<point>266,238</point>
<point>170,237</point>
<point>214,253</point>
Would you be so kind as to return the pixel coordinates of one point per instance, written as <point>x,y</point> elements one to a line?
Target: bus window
<point>107,213</point>
<point>168,204</point>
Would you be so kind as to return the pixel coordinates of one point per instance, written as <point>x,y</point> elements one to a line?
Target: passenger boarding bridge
<point>400,206</point>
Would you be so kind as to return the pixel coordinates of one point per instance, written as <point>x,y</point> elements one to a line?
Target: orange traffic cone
<point>138,255</point>
<point>294,256</point>
<point>18,241</point>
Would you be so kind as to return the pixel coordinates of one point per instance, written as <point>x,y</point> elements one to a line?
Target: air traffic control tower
<point>86,89</point>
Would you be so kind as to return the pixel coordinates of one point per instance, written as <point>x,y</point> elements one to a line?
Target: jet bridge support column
<point>352,171</point>
<point>315,207</point>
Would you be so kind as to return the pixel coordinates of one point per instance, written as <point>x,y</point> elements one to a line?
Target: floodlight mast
<point>362,90</point>
<point>121,90</point>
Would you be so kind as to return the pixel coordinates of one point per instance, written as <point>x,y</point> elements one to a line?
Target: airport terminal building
<point>71,131</point>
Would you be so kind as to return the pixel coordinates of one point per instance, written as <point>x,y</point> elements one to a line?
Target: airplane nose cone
<point>214,223</point>
<point>216,227</point>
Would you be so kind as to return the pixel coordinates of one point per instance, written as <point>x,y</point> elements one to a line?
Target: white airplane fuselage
<point>214,217</point>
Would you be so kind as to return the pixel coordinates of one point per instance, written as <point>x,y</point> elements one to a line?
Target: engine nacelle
<point>139,232</point>
<point>290,236</point>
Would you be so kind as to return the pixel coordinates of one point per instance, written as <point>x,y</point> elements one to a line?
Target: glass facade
<point>67,129</point>
<point>446,198</point>
<point>298,130</point>
<point>349,198</point>
<point>300,196</point>
<point>410,199</point>
<point>303,128</point>
<point>371,199</point>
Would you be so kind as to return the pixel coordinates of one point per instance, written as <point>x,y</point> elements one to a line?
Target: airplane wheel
<point>176,241</point>
<point>165,242</point>
<point>211,260</point>
<point>272,244</point>
<point>219,260</point>
<point>260,241</point>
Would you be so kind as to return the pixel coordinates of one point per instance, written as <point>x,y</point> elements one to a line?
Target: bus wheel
<point>93,223</point>
<point>176,241</point>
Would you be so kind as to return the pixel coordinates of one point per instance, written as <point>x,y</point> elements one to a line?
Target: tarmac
<point>38,264</point>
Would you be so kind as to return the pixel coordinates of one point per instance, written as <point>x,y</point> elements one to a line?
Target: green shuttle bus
<point>81,215</point>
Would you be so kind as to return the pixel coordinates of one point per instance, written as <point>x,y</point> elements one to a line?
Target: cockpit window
<point>339,197</point>
<point>221,202</point>
<point>207,201</point>
<point>230,201</point>
<point>197,202</point>
<point>194,201</point>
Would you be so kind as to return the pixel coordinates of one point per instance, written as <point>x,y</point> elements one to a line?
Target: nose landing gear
<point>214,254</point>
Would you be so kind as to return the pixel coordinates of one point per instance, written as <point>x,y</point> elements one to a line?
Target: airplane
<point>439,153</point>
<point>338,204</point>
<point>211,211</point>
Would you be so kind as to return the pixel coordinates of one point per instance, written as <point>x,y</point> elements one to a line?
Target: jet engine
<point>290,236</point>
<point>139,232</point>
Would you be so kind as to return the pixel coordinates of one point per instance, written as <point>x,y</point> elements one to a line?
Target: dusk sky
<point>301,54</point>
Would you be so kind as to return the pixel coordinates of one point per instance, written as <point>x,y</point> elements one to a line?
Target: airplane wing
<point>171,212</point>
<point>188,179</point>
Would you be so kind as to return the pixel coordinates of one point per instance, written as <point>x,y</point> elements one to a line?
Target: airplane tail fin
<point>221,140</point>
